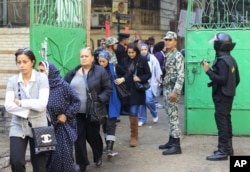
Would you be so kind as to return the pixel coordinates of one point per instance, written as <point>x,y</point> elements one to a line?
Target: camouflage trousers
<point>171,109</point>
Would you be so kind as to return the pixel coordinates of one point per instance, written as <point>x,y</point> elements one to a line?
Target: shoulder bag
<point>44,137</point>
<point>141,86</point>
<point>97,110</point>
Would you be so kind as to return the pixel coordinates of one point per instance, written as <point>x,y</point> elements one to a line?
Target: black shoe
<point>230,153</point>
<point>118,120</point>
<point>82,168</point>
<point>217,156</point>
<point>125,113</point>
<point>175,149</point>
<point>168,145</point>
<point>99,161</point>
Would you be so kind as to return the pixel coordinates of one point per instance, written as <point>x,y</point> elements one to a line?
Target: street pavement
<point>146,157</point>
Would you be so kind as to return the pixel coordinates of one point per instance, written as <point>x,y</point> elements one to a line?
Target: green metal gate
<point>212,17</point>
<point>57,31</point>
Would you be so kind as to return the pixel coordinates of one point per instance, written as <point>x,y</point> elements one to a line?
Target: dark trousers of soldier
<point>18,147</point>
<point>223,107</point>
<point>87,131</point>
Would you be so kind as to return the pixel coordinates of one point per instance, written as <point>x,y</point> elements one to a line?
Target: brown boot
<point>134,130</point>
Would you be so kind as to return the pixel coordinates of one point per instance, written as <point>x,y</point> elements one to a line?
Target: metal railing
<point>62,13</point>
<point>211,14</point>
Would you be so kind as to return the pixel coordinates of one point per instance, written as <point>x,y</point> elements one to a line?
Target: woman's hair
<point>134,47</point>
<point>159,46</point>
<point>88,49</point>
<point>28,53</point>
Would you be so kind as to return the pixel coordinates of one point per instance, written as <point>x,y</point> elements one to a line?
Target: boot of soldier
<point>168,144</point>
<point>134,130</point>
<point>110,145</point>
<point>174,149</point>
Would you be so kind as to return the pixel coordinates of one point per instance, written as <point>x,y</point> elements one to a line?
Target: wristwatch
<point>19,104</point>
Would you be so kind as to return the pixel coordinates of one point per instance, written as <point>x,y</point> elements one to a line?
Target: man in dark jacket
<point>121,54</point>
<point>224,76</point>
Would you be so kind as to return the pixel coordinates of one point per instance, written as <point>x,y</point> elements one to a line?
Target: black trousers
<point>89,132</point>
<point>109,127</point>
<point>18,148</point>
<point>223,107</point>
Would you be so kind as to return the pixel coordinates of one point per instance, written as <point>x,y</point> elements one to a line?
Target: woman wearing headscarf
<point>95,79</point>
<point>114,105</point>
<point>62,108</point>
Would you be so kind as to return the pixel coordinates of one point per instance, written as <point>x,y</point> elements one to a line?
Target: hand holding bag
<point>122,90</point>
<point>139,85</point>
<point>142,86</point>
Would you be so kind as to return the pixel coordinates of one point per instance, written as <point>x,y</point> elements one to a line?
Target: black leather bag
<point>98,112</point>
<point>142,86</point>
<point>122,90</point>
<point>44,138</point>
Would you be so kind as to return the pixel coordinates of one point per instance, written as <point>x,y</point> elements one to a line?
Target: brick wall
<point>10,40</point>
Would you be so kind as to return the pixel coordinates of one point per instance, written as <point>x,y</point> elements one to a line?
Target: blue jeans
<point>134,110</point>
<point>150,104</point>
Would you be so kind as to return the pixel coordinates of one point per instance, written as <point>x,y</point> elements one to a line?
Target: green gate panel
<point>200,121</point>
<point>199,107</point>
<point>57,32</point>
<point>63,45</point>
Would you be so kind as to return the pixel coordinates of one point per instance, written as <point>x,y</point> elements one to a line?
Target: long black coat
<point>143,72</point>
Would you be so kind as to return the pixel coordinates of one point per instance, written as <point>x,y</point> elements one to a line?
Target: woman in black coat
<point>95,79</point>
<point>137,71</point>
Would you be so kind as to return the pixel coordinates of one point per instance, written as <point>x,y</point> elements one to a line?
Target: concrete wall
<point>10,41</point>
<point>168,12</point>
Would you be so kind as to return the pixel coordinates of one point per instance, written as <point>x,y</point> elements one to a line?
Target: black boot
<point>168,144</point>
<point>174,149</point>
<point>218,155</point>
<point>110,145</point>
<point>230,150</point>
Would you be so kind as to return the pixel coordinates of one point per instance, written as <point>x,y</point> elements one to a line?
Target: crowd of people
<point>43,97</point>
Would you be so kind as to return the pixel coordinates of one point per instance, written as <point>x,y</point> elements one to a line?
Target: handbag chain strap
<point>86,83</point>
<point>20,98</point>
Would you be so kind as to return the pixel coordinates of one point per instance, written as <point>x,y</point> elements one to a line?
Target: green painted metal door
<point>57,31</point>
<point>199,108</point>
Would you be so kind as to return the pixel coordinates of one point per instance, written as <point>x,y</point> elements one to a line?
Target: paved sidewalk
<point>146,157</point>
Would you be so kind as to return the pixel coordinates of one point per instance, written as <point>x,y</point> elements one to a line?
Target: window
<point>150,4</point>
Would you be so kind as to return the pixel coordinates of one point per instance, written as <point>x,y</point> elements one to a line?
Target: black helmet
<point>223,42</point>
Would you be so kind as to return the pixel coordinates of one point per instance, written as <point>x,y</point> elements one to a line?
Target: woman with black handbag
<point>26,99</point>
<point>138,71</point>
<point>95,79</point>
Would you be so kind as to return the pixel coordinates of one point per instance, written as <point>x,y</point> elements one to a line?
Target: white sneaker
<point>140,124</point>
<point>159,106</point>
<point>155,120</point>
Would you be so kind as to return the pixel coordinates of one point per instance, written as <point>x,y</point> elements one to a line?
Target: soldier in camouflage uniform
<point>111,46</point>
<point>172,87</point>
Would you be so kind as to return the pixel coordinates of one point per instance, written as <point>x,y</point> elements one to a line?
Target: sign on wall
<point>119,7</point>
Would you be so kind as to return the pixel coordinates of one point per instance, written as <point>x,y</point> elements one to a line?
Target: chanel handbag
<point>44,138</point>
<point>142,86</point>
<point>122,90</point>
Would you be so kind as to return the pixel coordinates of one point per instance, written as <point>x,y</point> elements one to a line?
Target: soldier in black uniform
<point>224,76</point>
